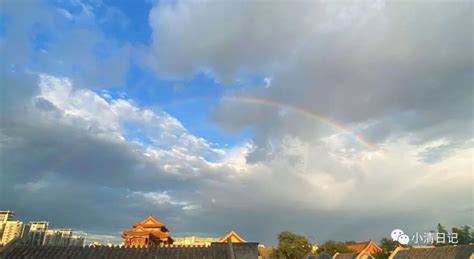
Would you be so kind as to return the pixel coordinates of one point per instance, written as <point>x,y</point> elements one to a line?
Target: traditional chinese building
<point>369,247</point>
<point>148,232</point>
<point>231,237</point>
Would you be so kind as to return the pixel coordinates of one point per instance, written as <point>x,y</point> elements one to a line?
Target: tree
<point>465,236</point>
<point>441,229</point>
<point>331,247</point>
<point>387,245</point>
<point>291,246</point>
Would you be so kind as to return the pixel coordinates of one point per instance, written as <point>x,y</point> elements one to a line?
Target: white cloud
<point>403,85</point>
<point>159,198</point>
<point>400,77</point>
<point>268,82</point>
<point>316,180</point>
<point>107,117</point>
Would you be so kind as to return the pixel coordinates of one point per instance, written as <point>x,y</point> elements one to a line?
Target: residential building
<point>35,232</point>
<point>5,215</point>
<point>194,241</point>
<point>206,241</point>
<point>76,240</point>
<point>11,230</point>
<point>57,237</point>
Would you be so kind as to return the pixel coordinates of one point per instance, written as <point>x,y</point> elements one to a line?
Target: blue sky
<point>216,116</point>
<point>190,99</point>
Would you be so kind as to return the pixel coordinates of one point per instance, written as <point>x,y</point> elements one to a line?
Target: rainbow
<point>310,114</point>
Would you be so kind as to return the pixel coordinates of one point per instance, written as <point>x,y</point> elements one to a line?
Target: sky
<point>334,120</point>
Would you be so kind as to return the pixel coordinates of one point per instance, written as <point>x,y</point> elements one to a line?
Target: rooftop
<point>455,252</point>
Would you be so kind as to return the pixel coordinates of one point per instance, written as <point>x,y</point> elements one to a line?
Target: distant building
<point>76,240</point>
<point>148,232</point>
<point>35,232</point>
<point>5,215</point>
<point>11,230</point>
<point>194,241</point>
<point>57,237</point>
<point>206,241</point>
<point>445,252</point>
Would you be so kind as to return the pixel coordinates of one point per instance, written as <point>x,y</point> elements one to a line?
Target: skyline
<point>337,121</point>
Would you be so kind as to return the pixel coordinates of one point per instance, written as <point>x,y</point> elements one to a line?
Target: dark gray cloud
<point>64,159</point>
<point>358,64</point>
<point>399,74</point>
<point>386,71</point>
<point>74,176</point>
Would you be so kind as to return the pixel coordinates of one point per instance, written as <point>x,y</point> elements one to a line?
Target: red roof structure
<point>148,232</point>
<point>149,222</point>
<point>369,247</point>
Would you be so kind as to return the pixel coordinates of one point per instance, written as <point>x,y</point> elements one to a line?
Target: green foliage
<point>441,229</point>
<point>381,255</point>
<point>291,246</point>
<point>388,245</point>
<point>331,247</point>
<point>465,236</point>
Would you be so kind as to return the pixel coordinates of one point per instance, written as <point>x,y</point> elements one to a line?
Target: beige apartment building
<point>194,241</point>
<point>76,240</point>
<point>11,229</point>
<point>6,215</point>
<point>57,237</point>
<point>35,232</point>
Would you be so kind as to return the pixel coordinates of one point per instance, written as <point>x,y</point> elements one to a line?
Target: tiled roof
<point>150,221</point>
<point>52,252</point>
<point>17,249</point>
<point>445,252</point>
<point>358,247</point>
<point>370,247</point>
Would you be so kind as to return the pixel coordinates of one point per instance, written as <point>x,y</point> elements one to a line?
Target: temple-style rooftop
<point>148,232</point>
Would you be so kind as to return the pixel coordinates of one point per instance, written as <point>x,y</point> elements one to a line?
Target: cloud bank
<point>398,74</point>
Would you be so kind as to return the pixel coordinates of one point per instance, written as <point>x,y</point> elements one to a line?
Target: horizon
<point>333,120</point>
